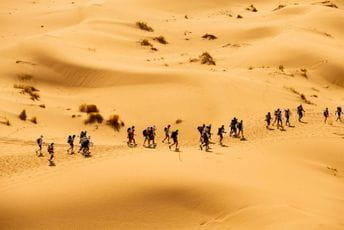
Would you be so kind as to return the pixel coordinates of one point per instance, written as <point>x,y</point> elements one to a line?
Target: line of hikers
<point>236,131</point>
<point>149,135</point>
<point>278,117</point>
<point>85,142</point>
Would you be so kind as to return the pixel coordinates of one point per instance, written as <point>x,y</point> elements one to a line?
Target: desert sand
<point>91,51</point>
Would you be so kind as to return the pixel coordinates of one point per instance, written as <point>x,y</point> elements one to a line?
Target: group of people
<point>338,113</point>
<point>85,142</point>
<point>149,135</point>
<point>236,130</point>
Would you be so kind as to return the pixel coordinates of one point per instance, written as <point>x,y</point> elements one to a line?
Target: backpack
<point>38,141</point>
<point>219,131</point>
<point>144,132</point>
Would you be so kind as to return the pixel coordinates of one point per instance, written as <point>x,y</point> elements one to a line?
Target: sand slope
<point>88,51</point>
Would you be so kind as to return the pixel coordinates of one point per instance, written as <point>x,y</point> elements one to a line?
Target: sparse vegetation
<point>281,68</point>
<point>25,77</point>
<point>329,4</point>
<point>145,42</point>
<point>279,7</point>
<point>303,97</point>
<point>30,90</point>
<point>34,120</point>
<point>115,122</point>
<point>179,121</point>
<point>250,67</point>
<point>209,36</point>
<point>144,26</point>
<point>88,108</point>
<point>293,90</point>
<point>304,73</point>
<point>22,115</point>
<point>239,16</point>
<point>161,40</point>
<point>94,118</point>
<point>42,106</point>
<point>154,49</point>
<point>5,121</point>
<point>207,59</point>
<point>252,8</point>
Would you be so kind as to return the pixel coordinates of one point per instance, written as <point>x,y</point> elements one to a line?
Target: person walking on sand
<point>145,134</point>
<point>174,136</point>
<point>200,130</point>
<point>268,119</point>
<point>233,127</point>
<point>339,113</point>
<point>220,133</point>
<point>300,112</point>
<point>326,115</point>
<point>131,136</point>
<point>287,117</point>
<point>51,152</point>
<point>39,142</point>
<point>167,134</point>
<point>205,143</point>
<point>275,117</point>
<point>279,119</point>
<point>70,141</point>
<point>240,127</point>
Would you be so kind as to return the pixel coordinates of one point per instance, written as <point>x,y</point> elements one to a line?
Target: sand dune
<point>90,51</point>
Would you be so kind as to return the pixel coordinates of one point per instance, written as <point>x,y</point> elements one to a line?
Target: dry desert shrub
<point>252,8</point>
<point>25,77</point>
<point>145,42</point>
<point>30,90</point>
<point>179,121</point>
<point>5,121</point>
<point>144,26</point>
<point>22,115</point>
<point>281,68</point>
<point>85,108</point>
<point>239,16</point>
<point>207,59</point>
<point>209,37</point>
<point>279,7</point>
<point>161,40</point>
<point>303,97</point>
<point>115,122</point>
<point>42,106</point>
<point>94,118</point>
<point>304,73</point>
<point>34,120</point>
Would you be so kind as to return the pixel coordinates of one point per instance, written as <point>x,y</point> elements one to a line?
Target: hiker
<point>233,127</point>
<point>200,130</point>
<point>287,117</point>
<point>240,127</point>
<point>279,119</point>
<point>82,136</point>
<point>208,128</point>
<point>40,146</point>
<point>51,152</point>
<point>326,114</point>
<point>174,136</point>
<point>268,119</point>
<point>339,113</point>
<point>70,141</point>
<point>167,134</point>
<point>85,146</point>
<point>275,117</point>
<point>205,140</point>
<point>145,133</point>
<point>131,136</point>
<point>220,133</point>
<point>300,112</point>
<point>152,135</point>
